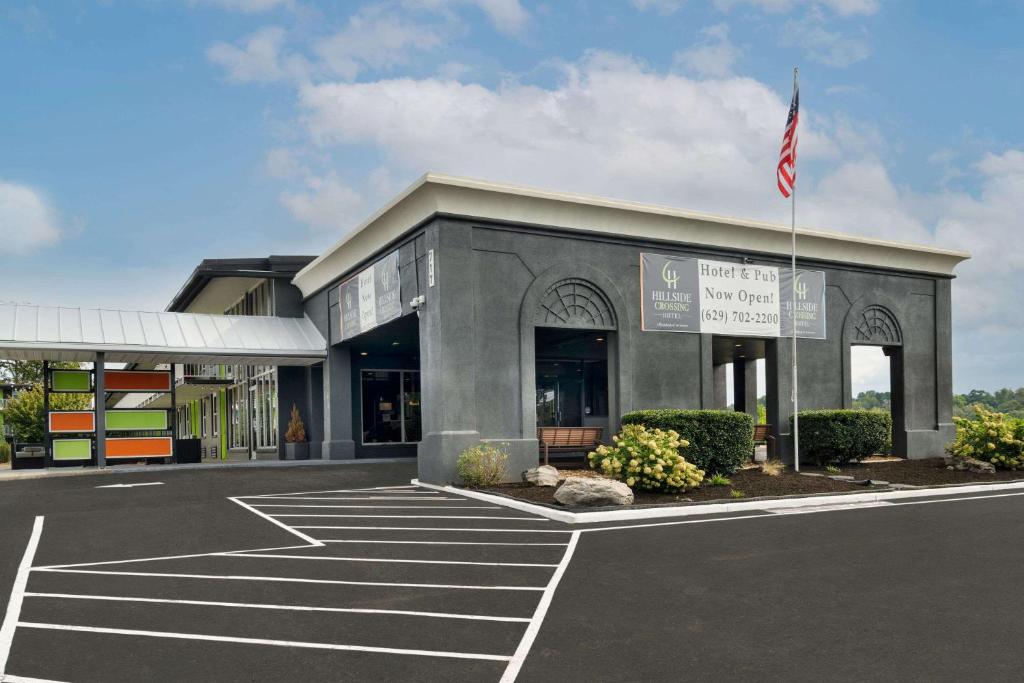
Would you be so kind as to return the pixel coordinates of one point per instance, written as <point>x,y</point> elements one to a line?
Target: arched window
<point>877,326</point>
<point>575,303</point>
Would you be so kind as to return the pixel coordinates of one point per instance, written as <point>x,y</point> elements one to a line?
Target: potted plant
<point>296,447</point>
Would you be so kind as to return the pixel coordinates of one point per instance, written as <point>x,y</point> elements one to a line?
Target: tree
<point>29,371</point>
<point>24,412</point>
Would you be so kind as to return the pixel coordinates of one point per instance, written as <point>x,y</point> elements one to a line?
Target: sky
<point>139,137</point>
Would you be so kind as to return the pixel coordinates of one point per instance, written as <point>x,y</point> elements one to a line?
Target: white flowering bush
<point>647,459</point>
<point>993,437</point>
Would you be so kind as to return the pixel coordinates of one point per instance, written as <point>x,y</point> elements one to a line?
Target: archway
<point>572,335</point>
<point>875,325</point>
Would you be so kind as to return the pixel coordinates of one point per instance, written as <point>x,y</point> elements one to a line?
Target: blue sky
<point>137,138</point>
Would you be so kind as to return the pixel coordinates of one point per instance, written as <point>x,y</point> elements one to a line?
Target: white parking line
<point>441,528</point>
<point>358,540</point>
<point>516,663</point>
<point>385,507</point>
<point>17,594</point>
<point>382,559</point>
<point>517,519</point>
<point>284,579</point>
<point>291,530</point>
<point>171,557</point>
<point>293,608</point>
<point>422,500</point>
<point>261,641</point>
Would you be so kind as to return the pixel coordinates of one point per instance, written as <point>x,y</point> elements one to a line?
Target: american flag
<point>785,173</point>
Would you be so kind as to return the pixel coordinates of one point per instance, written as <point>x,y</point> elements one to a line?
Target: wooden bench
<point>568,439</point>
<point>763,434</point>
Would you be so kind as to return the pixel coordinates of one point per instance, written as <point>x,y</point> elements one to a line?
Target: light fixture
<point>363,353</point>
<point>394,343</point>
<point>738,345</point>
<point>600,339</point>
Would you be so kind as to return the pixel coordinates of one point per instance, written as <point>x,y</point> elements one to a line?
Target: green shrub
<point>993,437</point>
<point>718,480</point>
<point>839,436</point>
<point>5,451</point>
<point>720,440</point>
<point>482,465</point>
<point>647,459</point>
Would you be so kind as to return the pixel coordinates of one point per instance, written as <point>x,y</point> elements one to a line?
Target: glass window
<point>391,406</point>
<point>595,387</point>
<point>215,414</point>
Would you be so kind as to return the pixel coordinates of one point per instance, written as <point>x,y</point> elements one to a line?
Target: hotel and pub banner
<point>720,297</point>
<point>371,298</point>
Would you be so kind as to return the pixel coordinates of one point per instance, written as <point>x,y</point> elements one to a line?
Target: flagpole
<point>796,414</point>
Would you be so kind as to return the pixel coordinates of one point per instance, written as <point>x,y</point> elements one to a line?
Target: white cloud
<point>248,6</point>
<point>27,221</point>
<point>611,126</point>
<point>831,48</point>
<point>259,59</point>
<point>327,203</point>
<point>374,39</point>
<point>508,16</point>
<point>660,6</point>
<point>844,8</point>
<point>714,55</point>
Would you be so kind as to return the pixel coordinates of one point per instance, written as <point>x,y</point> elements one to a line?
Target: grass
<point>736,493</point>
<point>718,480</point>
<point>832,469</point>
<point>772,468</point>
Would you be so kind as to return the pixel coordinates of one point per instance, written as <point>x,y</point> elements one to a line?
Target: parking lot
<point>351,573</point>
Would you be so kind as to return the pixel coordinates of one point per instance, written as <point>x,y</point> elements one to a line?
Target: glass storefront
<point>390,406</point>
<point>569,390</point>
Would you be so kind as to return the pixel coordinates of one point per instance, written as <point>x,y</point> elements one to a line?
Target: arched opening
<point>573,328</point>
<point>875,368</point>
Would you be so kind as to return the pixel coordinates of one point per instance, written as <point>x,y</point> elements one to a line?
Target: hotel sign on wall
<point>719,297</point>
<point>371,298</point>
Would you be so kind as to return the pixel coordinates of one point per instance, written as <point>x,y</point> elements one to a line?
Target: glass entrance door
<point>559,394</point>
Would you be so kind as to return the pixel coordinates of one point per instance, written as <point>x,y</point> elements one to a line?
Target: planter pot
<point>296,451</point>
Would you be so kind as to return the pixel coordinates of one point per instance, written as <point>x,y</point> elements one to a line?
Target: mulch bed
<point>930,472</point>
<point>753,483</point>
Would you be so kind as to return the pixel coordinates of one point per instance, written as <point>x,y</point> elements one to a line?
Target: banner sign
<point>682,294</point>
<point>810,303</point>
<point>371,298</point>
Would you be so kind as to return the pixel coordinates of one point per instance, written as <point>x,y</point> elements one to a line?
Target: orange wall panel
<point>128,380</point>
<point>78,421</point>
<point>139,447</point>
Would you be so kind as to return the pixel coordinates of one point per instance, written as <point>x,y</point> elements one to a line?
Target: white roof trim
<point>434,193</point>
<point>56,333</point>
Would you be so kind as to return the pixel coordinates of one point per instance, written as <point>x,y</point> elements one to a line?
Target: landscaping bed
<point>929,472</point>
<point>752,482</point>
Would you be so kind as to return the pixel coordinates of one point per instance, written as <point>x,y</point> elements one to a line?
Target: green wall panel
<point>134,420</point>
<point>71,380</point>
<point>72,449</point>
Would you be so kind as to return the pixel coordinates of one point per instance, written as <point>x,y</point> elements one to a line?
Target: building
<point>467,311</point>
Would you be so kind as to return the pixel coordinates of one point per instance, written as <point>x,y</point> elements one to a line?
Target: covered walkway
<point>137,338</point>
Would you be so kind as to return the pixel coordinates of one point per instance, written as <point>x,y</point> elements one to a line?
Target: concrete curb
<point>24,475</point>
<point>719,508</point>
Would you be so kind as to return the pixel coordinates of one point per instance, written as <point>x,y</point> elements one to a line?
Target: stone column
<point>447,355</point>
<point>779,401</point>
<point>744,387</point>
<point>721,401</point>
<point>337,388</point>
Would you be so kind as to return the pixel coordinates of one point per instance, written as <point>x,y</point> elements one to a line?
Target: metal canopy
<point>78,334</point>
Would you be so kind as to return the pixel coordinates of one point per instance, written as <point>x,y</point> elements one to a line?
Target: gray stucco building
<point>489,309</point>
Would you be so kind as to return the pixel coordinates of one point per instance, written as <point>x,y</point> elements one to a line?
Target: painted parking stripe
<point>17,594</point>
<point>441,528</point>
<point>171,557</point>
<point>518,519</point>
<point>11,678</point>
<point>386,507</point>
<point>359,540</point>
<point>293,608</point>
<point>448,498</point>
<point>289,529</point>
<point>284,579</point>
<point>382,559</point>
<point>262,641</point>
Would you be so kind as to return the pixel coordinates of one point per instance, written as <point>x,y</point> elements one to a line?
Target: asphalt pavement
<point>341,573</point>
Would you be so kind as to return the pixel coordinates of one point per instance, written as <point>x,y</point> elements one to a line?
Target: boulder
<point>592,491</point>
<point>970,465</point>
<point>545,475</point>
